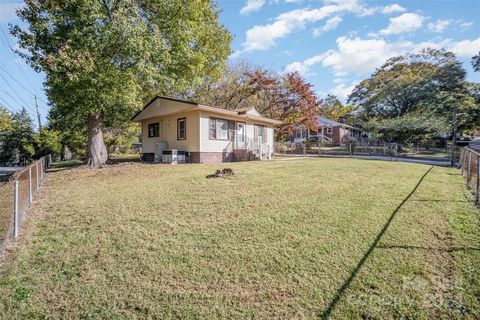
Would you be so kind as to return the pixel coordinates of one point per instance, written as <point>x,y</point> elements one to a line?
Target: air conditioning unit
<point>159,147</point>
<point>173,156</point>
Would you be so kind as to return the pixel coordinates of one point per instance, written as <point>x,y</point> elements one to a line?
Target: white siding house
<point>207,134</point>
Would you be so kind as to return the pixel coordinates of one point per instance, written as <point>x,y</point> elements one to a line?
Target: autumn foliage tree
<point>287,97</point>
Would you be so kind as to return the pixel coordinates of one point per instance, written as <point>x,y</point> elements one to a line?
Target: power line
<point>5,105</point>
<point>11,97</point>
<point>8,84</point>
<point>11,51</point>
<point>20,84</point>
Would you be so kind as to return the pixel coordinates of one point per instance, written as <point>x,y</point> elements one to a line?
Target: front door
<point>240,135</point>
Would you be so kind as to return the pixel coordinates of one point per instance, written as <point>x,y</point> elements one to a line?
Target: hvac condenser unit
<point>173,156</point>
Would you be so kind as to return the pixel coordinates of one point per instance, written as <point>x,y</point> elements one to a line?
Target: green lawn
<point>305,238</point>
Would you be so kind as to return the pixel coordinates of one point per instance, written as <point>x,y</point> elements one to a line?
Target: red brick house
<point>329,131</point>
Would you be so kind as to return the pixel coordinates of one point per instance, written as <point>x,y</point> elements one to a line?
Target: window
<point>299,134</point>
<point>153,130</point>
<point>222,129</point>
<point>260,133</point>
<point>181,129</point>
<point>219,129</point>
<point>329,130</point>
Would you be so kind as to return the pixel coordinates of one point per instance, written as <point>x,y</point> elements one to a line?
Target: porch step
<point>244,155</point>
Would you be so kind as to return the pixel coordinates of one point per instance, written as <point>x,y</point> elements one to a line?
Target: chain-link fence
<point>470,164</point>
<point>432,152</point>
<point>16,195</point>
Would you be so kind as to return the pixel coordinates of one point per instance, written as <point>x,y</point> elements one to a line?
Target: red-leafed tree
<point>290,99</point>
<point>286,97</point>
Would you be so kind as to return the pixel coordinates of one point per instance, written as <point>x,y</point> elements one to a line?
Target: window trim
<point>157,131</point>
<point>184,128</point>
<point>215,121</point>
<point>329,130</point>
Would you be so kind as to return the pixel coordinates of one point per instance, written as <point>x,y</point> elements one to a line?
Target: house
<point>329,131</point>
<point>204,134</point>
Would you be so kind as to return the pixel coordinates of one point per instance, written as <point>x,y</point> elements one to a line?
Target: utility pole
<point>454,139</point>
<point>38,114</point>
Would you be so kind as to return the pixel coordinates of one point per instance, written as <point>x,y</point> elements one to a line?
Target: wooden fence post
<point>16,217</point>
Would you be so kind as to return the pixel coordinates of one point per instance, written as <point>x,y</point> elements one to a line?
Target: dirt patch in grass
<point>279,239</point>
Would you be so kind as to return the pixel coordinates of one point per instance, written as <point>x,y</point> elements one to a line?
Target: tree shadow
<point>65,165</point>
<point>117,159</point>
<point>325,314</point>
<point>412,247</point>
<point>441,200</point>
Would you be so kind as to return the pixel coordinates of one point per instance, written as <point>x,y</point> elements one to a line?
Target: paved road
<point>9,170</point>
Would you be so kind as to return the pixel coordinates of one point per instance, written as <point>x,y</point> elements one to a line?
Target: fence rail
<point>470,165</point>
<point>16,195</point>
<point>372,148</point>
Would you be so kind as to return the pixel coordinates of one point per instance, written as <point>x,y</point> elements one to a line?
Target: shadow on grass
<point>442,200</point>
<point>71,164</point>
<point>407,247</point>
<point>124,158</point>
<point>65,165</point>
<point>331,306</point>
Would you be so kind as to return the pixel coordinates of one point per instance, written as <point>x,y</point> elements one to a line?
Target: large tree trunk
<point>97,151</point>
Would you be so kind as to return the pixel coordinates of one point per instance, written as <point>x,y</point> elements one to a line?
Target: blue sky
<point>333,43</point>
<point>337,43</point>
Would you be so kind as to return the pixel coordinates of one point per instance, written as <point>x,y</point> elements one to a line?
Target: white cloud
<point>342,90</point>
<point>362,56</point>
<point>331,24</point>
<point>465,48</point>
<point>7,11</point>
<point>263,37</point>
<point>439,25</point>
<point>407,22</point>
<point>465,25</point>
<point>251,6</point>
<point>393,8</point>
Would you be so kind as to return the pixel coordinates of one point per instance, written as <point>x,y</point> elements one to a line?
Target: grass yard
<point>307,238</point>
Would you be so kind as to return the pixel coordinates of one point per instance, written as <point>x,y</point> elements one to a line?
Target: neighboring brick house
<point>329,131</point>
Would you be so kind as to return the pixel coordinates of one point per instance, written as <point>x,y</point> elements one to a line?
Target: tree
<point>430,84</point>
<point>408,128</point>
<point>121,140</point>
<point>47,141</point>
<point>17,140</point>
<point>286,97</point>
<point>235,89</point>
<point>476,62</point>
<point>104,58</point>
<point>334,109</point>
<point>290,99</point>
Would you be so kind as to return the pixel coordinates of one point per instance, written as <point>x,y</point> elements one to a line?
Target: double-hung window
<point>181,129</point>
<point>153,130</point>
<point>260,133</point>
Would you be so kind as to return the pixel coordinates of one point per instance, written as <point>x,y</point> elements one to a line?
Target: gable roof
<point>249,113</point>
<point>332,123</point>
